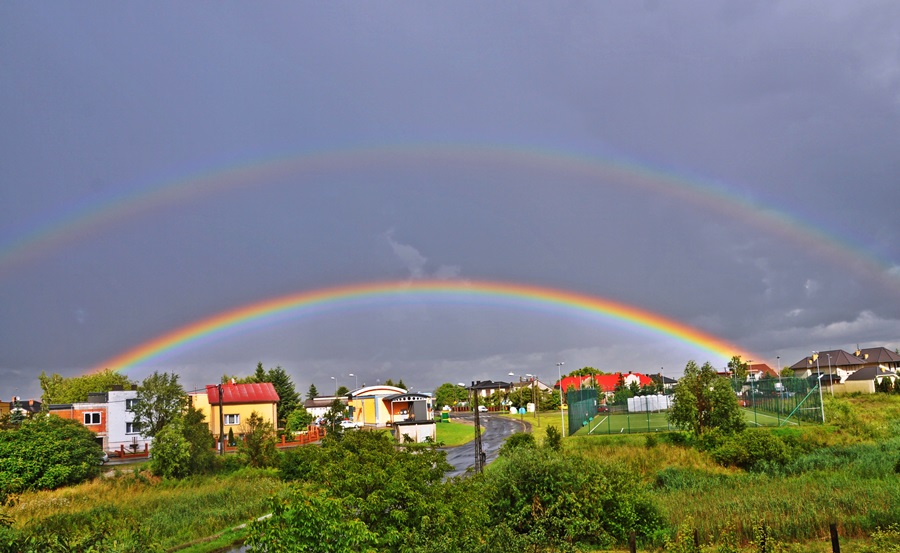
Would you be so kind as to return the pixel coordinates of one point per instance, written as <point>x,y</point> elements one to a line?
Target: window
<point>92,418</point>
<point>130,403</point>
<point>132,427</point>
<point>232,419</point>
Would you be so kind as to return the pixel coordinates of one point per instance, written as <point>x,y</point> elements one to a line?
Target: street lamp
<point>534,398</point>
<point>357,379</point>
<point>830,378</point>
<point>819,372</point>
<point>335,386</point>
<point>562,421</point>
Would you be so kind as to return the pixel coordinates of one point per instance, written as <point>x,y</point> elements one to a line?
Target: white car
<point>482,409</point>
<point>347,423</point>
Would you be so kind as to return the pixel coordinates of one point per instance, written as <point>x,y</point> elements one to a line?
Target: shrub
<point>517,440</point>
<point>553,439</point>
<point>750,448</point>
<point>562,501</point>
<point>46,452</point>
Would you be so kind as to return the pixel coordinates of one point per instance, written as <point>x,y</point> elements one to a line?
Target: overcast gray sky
<point>730,166</point>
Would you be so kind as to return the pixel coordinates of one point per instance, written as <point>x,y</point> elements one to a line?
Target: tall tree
<point>57,389</point>
<point>400,384</point>
<point>449,394</point>
<point>258,446</point>
<point>160,399</point>
<point>312,392</point>
<point>702,400</point>
<point>260,375</point>
<point>738,368</point>
<point>289,399</point>
<point>342,391</point>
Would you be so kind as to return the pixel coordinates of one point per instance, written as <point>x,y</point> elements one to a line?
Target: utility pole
<point>479,452</point>
<point>221,424</point>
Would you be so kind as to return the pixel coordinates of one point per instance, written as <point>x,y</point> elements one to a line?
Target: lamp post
<point>830,378</point>
<point>562,421</point>
<point>534,398</point>
<point>335,386</point>
<point>357,379</point>
<point>819,372</point>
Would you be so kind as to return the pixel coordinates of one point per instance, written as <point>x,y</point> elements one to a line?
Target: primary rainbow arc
<point>475,292</point>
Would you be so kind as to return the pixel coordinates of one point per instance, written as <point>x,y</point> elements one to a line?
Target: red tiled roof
<point>262,392</point>
<point>605,382</point>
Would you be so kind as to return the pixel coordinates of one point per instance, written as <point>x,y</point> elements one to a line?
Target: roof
<point>763,368</point>
<point>839,358</point>
<point>878,355</point>
<point>235,394</point>
<point>869,373</point>
<point>488,385</point>
<point>605,382</point>
<point>407,397</point>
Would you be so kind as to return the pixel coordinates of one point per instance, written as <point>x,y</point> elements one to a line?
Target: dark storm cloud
<point>791,107</point>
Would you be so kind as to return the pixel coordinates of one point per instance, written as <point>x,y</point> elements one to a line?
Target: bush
<point>751,448</point>
<point>563,501</point>
<point>517,440</point>
<point>46,452</point>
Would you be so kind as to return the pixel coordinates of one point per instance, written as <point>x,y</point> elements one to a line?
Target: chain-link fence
<point>766,402</point>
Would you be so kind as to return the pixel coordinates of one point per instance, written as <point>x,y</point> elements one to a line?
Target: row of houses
<point>227,408</point>
<point>860,371</point>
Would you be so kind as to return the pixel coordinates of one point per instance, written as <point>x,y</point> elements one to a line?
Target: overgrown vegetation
<point>751,491</point>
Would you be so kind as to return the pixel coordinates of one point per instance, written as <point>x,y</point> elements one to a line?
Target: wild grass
<point>843,472</point>
<point>171,511</point>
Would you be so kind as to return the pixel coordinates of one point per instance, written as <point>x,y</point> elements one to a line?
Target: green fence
<point>767,402</point>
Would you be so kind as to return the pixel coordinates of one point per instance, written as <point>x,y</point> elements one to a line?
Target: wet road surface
<point>495,430</point>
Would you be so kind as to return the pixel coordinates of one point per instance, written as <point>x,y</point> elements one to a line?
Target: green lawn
<point>454,433</point>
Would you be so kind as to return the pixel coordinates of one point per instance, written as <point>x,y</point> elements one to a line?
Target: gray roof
<point>869,373</point>
<point>839,359</point>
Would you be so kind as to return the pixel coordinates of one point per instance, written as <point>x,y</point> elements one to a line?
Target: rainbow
<point>84,220</point>
<point>484,293</point>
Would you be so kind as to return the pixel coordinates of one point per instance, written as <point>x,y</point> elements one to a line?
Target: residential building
<point>238,402</point>
<point>382,405</point>
<point>110,416</point>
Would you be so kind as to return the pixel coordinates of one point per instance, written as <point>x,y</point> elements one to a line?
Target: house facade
<point>238,402</point>
<point>110,416</point>
<point>381,405</point>
<point>842,364</point>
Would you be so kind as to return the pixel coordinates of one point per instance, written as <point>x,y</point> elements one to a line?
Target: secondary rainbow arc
<point>475,292</point>
<point>53,234</point>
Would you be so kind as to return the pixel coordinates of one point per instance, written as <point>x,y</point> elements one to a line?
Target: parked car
<point>104,458</point>
<point>482,409</point>
<point>347,423</point>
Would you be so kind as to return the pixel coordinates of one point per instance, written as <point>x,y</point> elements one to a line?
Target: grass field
<point>454,433</point>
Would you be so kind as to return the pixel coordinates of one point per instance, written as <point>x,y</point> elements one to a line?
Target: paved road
<point>495,430</point>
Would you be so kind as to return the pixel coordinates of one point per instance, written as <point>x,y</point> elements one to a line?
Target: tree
<point>702,400</point>
<point>298,421</point>
<point>334,414</point>
<point>289,399</point>
<point>57,389</point>
<point>258,446</point>
<point>342,391</point>
<point>183,446</point>
<point>312,392</point>
<point>400,384</point>
<point>46,452</point>
<point>449,394</point>
<point>160,399</point>
<point>738,368</point>
<point>260,374</point>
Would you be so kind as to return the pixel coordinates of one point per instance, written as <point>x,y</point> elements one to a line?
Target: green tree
<point>342,391</point>
<point>183,446</point>
<point>258,446</point>
<point>738,368</point>
<point>400,384</point>
<point>46,452</point>
<point>289,399</point>
<point>298,421</point>
<point>702,400</point>
<point>335,413</point>
<point>449,394</point>
<point>160,399</point>
<point>260,375</point>
<point>57,389</point>
<point>171,451</point>
<point>312,392</point>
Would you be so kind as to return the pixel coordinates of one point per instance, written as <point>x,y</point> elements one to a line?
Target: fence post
<point>835,544</point>
<point>632,542</point>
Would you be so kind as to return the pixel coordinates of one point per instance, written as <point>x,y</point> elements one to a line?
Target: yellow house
<point>382,406</point>
<point>238,402</point>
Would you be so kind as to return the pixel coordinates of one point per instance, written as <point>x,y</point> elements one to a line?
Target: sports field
<point>633,423</point>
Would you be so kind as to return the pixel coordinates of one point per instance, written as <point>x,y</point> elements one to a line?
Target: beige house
<point>238,402</point>
<point>381,406</point>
